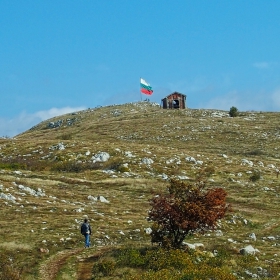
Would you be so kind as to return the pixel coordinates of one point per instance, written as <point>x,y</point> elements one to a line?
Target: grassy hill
<point>50,178</point>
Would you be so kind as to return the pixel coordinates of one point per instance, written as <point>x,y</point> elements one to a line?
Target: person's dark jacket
<point>85,228</point>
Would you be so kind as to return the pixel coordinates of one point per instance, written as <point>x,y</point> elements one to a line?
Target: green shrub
<point>206,272</point>
<point>199,273</point>
<point>158,263</point>
<point>20,163</point>
<point>256,152</point>
<point>12,165</point>
<point>164,274</point>
<point>113,164</point>
<point>246,261</point>
<point>161,259</point>
<point>104,267</point>
<point>66,136</point>
<point>255,176</point>
<point>222,255</point>
<point>122,168</point>
<point>208,171</point>
<point>74,167</point>
<point>233,112</point>
<point>131,257</point>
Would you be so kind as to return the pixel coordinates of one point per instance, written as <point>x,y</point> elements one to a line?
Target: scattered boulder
<point>248,250</point>
<point>59,146</point>
<point>183,177</point>
<point>194,245</point>
<point>59,123</point>
<point>190,159</point>
<point>147,161</point>
<point>8,197</point>
<point>55,124</point>
<point>272,166</point>
<point>92,198</point>
<point>253,236</point>
<point>102,199</point>
<point>98,198</point>
<point>101,156</point>
<point>247,162</point>
<point>271,238</point>
<point>128,154</point>
<point>33,192</point>
<point>148,230</point>
<point>163,176</point>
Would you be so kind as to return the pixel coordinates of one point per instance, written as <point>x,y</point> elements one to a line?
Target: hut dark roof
<point>174,93</point>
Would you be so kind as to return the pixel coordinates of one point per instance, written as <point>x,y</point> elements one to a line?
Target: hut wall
<point>175,100</point>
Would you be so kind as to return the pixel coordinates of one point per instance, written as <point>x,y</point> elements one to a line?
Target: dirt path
<point>51,267</point>
<point>84,271</point>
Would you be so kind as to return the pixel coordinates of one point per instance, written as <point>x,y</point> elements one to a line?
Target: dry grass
<point>12,246</point>
<point>165,136</point>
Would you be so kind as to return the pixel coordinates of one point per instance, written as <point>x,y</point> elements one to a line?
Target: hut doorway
<point>176,103</point>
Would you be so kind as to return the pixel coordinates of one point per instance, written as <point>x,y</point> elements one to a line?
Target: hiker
<point>86,231</point>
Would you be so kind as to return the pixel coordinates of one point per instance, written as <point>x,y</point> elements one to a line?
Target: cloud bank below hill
<point>24,121</point>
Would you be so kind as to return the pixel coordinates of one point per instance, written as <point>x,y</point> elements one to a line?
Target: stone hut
<point>175,100</point>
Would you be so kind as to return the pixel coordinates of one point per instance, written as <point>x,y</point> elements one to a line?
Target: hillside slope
<point>58,171</point>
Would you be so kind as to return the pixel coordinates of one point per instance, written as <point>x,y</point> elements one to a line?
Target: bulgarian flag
<point>145,87</point>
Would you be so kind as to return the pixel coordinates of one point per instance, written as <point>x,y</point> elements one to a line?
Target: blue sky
<point>66,55</point>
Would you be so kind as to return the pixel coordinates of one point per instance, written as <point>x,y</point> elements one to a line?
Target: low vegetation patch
<point>159,263</point>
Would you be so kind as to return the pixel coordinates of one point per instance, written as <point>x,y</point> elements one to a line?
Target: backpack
<point>84,228</point>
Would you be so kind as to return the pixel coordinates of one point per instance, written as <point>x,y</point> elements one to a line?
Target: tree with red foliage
<point>184,209</point>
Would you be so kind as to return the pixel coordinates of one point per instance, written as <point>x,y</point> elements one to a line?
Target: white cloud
<point>245,101</point>
<point>261,65</point>
<point>44,115</point>
<point>222,102</point>
<point>264,65</point>
<point>24,121</point>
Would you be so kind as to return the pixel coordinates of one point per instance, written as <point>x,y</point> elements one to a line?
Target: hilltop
<point>108,162</point>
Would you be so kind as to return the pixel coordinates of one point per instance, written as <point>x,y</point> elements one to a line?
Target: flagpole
<point>140,91</point>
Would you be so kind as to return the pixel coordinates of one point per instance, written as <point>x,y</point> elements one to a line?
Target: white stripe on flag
<point>142,81</point>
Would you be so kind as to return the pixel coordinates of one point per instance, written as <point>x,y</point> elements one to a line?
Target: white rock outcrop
<point>101,156</point>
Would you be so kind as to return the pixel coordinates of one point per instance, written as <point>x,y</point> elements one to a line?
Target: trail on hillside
<point>51,267</point>
<point>84,270</point>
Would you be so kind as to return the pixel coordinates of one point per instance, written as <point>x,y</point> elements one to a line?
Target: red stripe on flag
<point>145,91</point>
